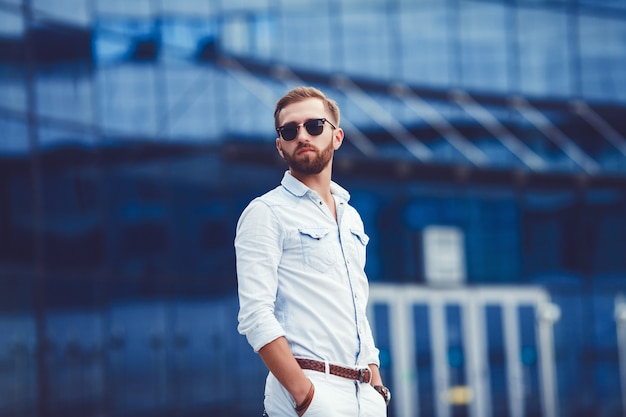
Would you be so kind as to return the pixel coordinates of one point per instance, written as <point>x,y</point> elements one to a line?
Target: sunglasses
<point>314,127</point>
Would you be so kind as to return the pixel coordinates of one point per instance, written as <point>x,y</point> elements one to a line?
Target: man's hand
<point>281,363</point>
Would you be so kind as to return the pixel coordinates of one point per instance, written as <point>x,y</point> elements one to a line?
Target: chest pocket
<point>317,248</point>
<point>360,243</point>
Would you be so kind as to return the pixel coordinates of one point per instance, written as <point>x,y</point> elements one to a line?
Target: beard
<point>309,164</point>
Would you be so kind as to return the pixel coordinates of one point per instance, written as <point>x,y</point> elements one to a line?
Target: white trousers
<point>334,397</point>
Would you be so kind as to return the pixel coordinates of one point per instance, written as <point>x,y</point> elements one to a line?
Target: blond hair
<point>302,93</point>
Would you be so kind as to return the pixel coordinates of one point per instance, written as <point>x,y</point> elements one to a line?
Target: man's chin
<point>306,168</point>
<point>305,171</point>
<point>307,163</point>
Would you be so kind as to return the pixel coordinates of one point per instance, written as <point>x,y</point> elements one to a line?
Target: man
<point>300,268</point>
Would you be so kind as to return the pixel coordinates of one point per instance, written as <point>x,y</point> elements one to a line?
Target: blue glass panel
<point>294,46</point>
<point>424,54</point>
<point>603,58</point>
<point>78,12</point>
<point>11,25</point>
<point>15,136</point>
<point>544,56</point>
<point>128,100</point>
<point>184,38</point>
<point>65,94</point>
<point>367,46</point>
<point>483,48</point>
<point>117,40</point>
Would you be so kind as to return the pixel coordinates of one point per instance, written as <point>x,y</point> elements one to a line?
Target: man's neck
<point>319,183</point>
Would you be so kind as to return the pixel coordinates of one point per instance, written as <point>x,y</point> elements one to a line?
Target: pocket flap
<point>314,232</point>
<point>363,238</point>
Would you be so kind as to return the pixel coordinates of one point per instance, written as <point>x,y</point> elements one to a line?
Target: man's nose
<point>301,133</point>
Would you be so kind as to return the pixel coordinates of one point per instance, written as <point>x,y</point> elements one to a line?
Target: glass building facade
<point>132,134</point>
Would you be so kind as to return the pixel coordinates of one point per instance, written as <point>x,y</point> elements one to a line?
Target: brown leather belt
<point>361,375</point>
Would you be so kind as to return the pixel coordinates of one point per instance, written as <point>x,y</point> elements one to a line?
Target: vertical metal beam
<point>513,362</point>
<point>403,351</point>
<point>439,347</point>
<point>512,45</point>
<point>573,44</point>
<point>476,365</point>
<point>547,313</point>
<point>30,66</point>
<point>104,399</point>
<point>453,11</point>
<point>395,63</point>
<point>620,323</point>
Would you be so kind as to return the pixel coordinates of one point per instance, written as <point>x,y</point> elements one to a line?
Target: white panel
<point>444,255</point>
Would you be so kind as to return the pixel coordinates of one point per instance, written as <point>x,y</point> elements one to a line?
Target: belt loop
<point>326,369</point>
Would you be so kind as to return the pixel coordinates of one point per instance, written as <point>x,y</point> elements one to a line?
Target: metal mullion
<point>620,327</point>
<point>38,216</point>
<point>441,370</point>
<point>403,351</point>
<point>474,341</point>
<point>513,361</point>
<point>547,313</point>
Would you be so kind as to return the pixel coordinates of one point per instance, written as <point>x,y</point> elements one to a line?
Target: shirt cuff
<point>261,336</point>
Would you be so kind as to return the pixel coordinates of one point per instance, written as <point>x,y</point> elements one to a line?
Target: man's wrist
<point>304,405</point>
<point>384,391</point>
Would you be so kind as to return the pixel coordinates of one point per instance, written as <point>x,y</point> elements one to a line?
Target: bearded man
<point>302,286</point>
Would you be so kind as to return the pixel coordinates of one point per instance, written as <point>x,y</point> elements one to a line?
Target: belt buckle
<point>365,375</point>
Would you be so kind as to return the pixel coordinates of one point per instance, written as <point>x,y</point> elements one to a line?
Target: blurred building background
<point>485,149</point>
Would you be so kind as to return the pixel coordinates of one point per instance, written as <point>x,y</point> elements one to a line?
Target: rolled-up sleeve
<point>371,354</point>
<point>258,251</point>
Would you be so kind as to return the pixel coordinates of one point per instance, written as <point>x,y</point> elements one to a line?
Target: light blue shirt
<point>301,275</point>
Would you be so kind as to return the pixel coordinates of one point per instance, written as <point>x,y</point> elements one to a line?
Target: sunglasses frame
<point>322,119</point>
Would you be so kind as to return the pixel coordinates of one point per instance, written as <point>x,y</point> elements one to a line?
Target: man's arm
<point>376,379</point>
<point>282,364</point>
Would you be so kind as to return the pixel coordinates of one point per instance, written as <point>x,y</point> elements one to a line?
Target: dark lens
<point>289,132</point>
<point>314,127</point>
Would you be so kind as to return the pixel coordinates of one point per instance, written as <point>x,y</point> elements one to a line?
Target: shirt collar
<point>298,189</point>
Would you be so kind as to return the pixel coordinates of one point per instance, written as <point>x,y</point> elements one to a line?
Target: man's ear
<point>338,138</point>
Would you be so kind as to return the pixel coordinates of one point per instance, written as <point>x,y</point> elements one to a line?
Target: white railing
<point>401,300</point>
<point>620,324</point>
